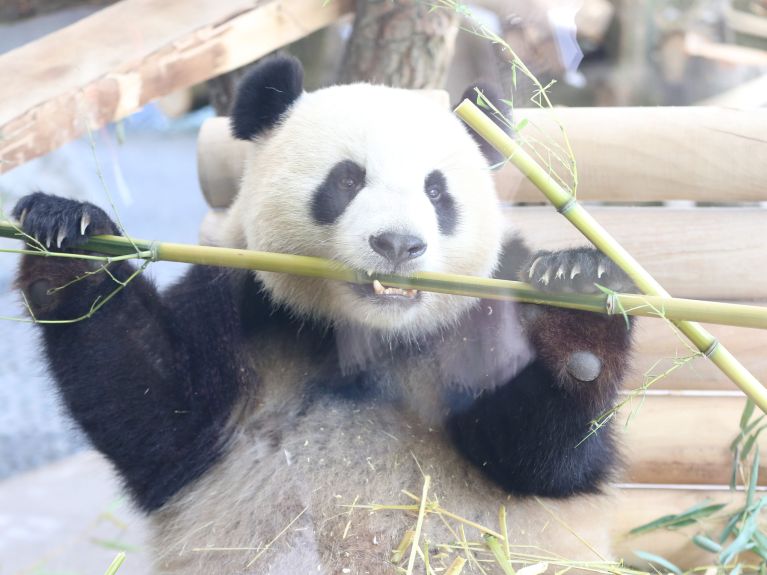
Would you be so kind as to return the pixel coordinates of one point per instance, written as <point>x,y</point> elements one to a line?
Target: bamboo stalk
<point>118,248</point>
<point>568,206</point>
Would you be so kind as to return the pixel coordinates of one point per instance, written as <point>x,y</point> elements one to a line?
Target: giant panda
<point>255,417</point>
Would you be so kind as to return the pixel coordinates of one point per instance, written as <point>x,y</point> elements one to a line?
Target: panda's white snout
<point>397,248</point>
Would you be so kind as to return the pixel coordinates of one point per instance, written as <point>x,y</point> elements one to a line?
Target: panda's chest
<point>297,372</point>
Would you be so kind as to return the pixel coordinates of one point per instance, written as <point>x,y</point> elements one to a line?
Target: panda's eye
<point>435,185</point>
<point>433,193</point>
<point>349,183</point>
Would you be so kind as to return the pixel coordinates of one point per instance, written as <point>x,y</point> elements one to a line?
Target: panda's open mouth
<point>378,292</point>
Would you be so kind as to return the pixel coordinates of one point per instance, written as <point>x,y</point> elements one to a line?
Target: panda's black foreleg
<point>150,381</point>
<point>533,434</point>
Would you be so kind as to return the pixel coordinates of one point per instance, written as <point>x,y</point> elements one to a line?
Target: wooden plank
<point>636,507</point>
<point>709,253</point>
<point>653,154</point>
<point>106,66</point>
<point>657,347</point>
<point>682,438</point>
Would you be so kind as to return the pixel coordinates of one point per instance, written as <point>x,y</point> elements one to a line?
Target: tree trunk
<point>401,43</point>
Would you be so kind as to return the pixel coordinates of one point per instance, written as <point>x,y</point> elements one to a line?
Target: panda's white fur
<point>365,123</point>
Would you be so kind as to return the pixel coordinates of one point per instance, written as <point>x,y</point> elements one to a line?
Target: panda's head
<point>382,179</point>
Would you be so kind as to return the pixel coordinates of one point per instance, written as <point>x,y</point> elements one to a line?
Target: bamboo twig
<point>569,207</point>
<point>118,248</point>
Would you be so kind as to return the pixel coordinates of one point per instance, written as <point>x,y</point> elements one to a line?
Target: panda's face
<point>383,180</point>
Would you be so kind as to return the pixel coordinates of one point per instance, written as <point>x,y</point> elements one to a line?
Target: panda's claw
<point>85,221</point>
<point>61,237</point>
<point>533,265</point>
<point>60,223</point>
<point>575,271</point>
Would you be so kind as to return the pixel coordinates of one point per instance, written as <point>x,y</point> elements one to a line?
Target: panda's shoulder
<point>222,301</point>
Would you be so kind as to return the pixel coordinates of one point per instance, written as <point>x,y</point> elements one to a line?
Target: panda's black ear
<point>264,94</point>
<point>493,94</point>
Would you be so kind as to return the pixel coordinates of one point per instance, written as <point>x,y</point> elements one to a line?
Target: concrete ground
<point>69,518</point>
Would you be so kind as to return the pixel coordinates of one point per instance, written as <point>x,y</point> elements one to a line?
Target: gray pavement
<point>153,182</point>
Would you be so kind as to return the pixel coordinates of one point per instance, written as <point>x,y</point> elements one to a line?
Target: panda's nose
<point>398,248</point>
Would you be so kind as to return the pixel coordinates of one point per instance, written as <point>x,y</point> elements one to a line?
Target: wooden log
<point>99,69</point>
<point>682,438</point>
<point>706,253</point>
<point>654,154</point>
<point>641,154</point>
<point>657,347</point>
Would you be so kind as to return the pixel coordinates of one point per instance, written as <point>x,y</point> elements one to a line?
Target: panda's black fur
<point>156,381</point>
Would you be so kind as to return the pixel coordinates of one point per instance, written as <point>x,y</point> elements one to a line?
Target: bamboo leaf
<point>705,543</point>
<point>687,517</point>
<point>742,541</point>
<point>748,411</point>
<point>114,545</point>
<point>658,560</point>
<point>752,480</point>
<point>730,527</point>
<point>744,432</point>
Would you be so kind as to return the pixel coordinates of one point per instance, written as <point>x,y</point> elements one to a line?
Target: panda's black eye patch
<point>342,183</point>
<point>435,188</point>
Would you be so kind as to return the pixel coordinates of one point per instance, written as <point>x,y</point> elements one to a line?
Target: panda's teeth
<point>379,289</point>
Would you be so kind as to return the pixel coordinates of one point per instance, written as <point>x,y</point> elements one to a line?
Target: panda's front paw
<point>576,270</point>
<point>60,223</point>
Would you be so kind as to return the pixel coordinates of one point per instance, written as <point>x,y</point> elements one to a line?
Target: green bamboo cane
<point>567,205</point>
<point>488,288</point>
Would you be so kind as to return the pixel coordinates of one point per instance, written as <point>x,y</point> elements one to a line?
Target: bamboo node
<point>567,206</point>
<point>154,253</point>
<point>711,348</point>
<point>611,303</point>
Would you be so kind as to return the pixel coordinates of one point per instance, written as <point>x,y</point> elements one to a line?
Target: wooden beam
<point>682,438</point>
<point>707,253</point>
<point>657,346</point>
<point>108,65</point>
